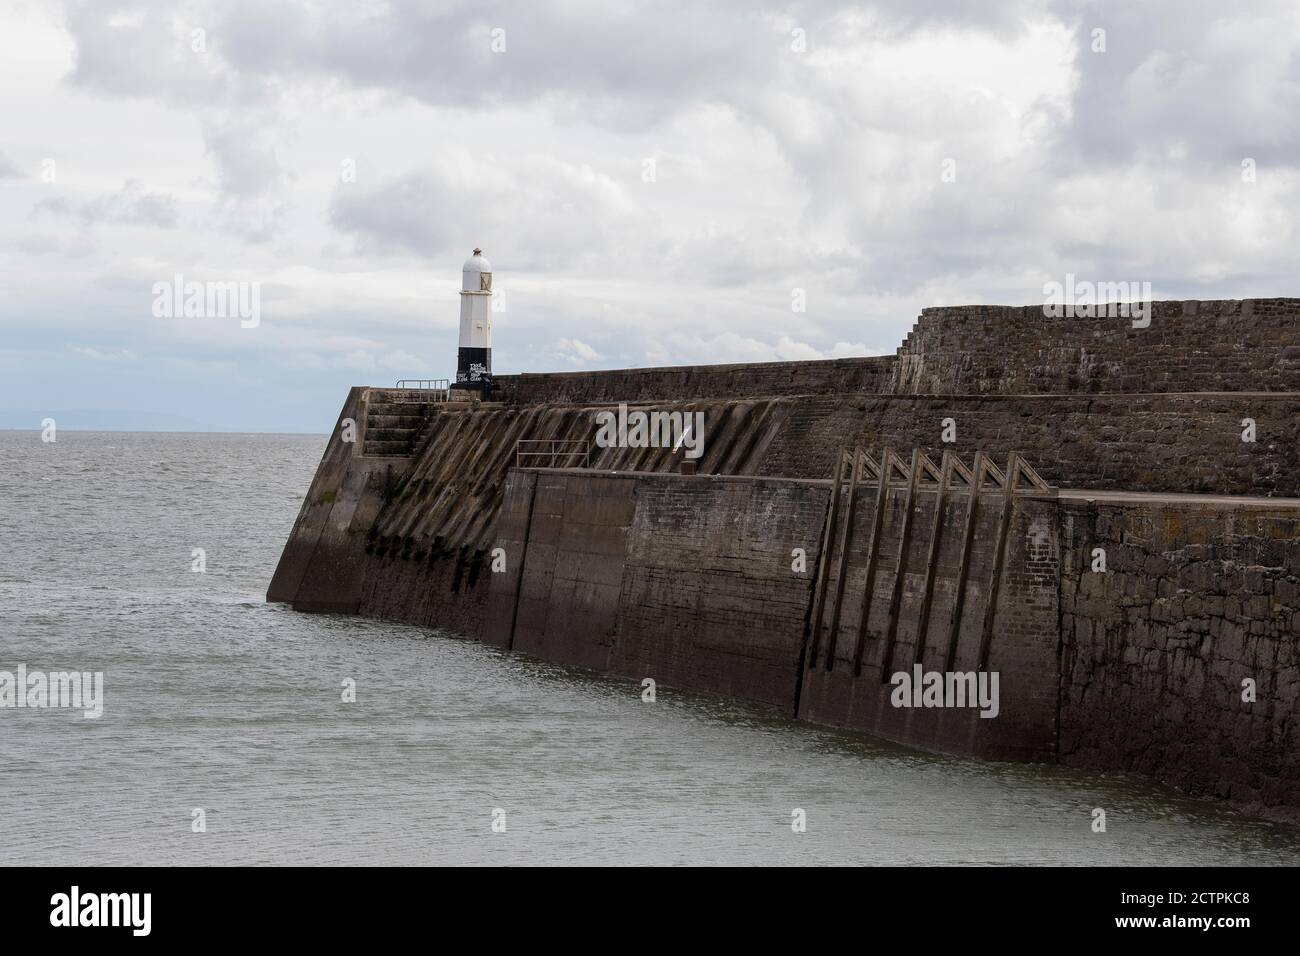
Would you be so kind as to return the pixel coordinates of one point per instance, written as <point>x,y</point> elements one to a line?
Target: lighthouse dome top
<point>476,274</point>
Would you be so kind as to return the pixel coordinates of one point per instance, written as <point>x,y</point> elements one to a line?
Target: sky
<point>657,183</point>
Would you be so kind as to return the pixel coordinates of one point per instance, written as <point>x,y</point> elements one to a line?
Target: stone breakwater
<point>1142,613</point>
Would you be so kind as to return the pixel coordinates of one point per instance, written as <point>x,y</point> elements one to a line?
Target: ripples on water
<point>215,699</point>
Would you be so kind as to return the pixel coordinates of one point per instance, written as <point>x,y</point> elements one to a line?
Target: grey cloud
<point>146,51</point>
<point>7,169</point>
<point>538,215</point>
<point>624,65</point>
<point>1143,138</point>
<point>131,205</point>
<point>142,50</point>
<point>1197,72</point>
<point>243,148</point>
<point>402,214</point>
<point>1222,81</point>
<point>538,212</point>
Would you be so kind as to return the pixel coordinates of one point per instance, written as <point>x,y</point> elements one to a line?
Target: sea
<point>234,731</point>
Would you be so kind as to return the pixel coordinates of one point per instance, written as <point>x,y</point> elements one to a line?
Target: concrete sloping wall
<point>456,479</point>
<point>692,582</point>
<point>322,566</point>
<point>709,598</point>
<point>569,540</point>
<point>405,537</point>
<point>426,551</point>
<point>683,580</point>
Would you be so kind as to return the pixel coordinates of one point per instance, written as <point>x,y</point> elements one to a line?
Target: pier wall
<point>1169,443</point>
<point>694,583</point>
<point>1196,598</point>
<point>683,580</point>
<point>626,568</point>
<point>830,377</point>
<point>1232,345</point>
<point>846,682</point>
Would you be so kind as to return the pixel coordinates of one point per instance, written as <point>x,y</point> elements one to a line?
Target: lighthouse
<point>474,357</point>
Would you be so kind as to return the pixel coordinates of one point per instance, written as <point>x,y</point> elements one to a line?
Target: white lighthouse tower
<point>474,357</point>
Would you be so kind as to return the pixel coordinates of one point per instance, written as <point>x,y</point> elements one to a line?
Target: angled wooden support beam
<point>1031,476</point>
<point>846,543</point>
<point>976,479</point>
<point>931,474</point>
<point>873,551</point>
<point>870,468</point>
<point>961,473</point>
<point>896,597</point>
<point>932,558</point>
<point>997,480</point>
<point>999,553</point>
<point>896,467</point>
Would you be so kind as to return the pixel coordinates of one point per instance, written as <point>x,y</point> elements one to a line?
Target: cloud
<point>112,355</point>
<point>131,205</point>
<point>1220,81</point>
<point>731,347</point>
<point>145,50</point>
<point>848,350</point>
<point>243,146</point>
<point>573,352</point>
<point>911,153</point>
<point>534,211</point>
<point>357,360</point>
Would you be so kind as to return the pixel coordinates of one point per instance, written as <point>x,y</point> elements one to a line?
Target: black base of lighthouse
<point>473,370</point>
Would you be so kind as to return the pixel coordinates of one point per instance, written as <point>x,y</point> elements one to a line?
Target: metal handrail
<point>424,383</point>
<point>554,448</point>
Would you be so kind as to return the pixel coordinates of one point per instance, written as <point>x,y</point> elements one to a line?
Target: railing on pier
<point>440,387</point>
<point>552,453</point>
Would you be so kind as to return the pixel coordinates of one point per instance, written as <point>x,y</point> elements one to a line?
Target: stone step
<point>394,421</point>
<point>407,435</point>
<point>418,409</point>
<point>393,449</point>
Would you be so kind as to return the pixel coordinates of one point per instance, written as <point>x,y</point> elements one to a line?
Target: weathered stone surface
<point>709,600</point>
<point>1195,599</point>
<point>833,377</point>
<point>627,570</point>
<point>1157,442</point>
<point>690,582</point>
<point>1226,345</point>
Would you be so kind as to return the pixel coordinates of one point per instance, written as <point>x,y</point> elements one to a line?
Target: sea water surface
<point>216,700</point>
